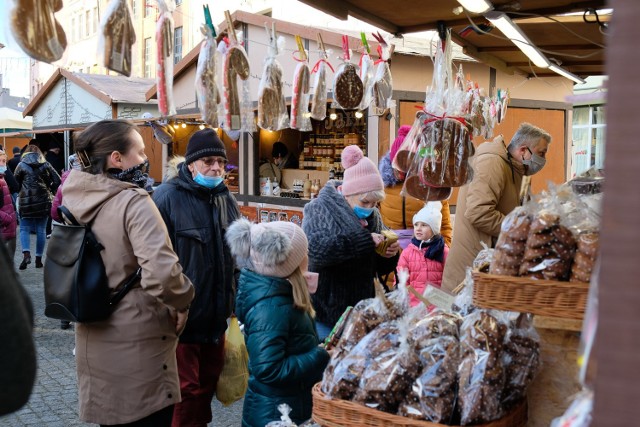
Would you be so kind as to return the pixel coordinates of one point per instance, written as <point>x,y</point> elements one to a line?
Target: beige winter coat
<point>482,205</point>
<point>127,364</point>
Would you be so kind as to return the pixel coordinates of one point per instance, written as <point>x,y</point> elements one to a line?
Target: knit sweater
<point>342,251</point>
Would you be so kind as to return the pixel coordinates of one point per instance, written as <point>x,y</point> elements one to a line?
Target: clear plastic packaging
<point>37,31</point>
<point>585,257</point>
<point>238,108</point>
<point>367,74</point>
<point>463,304</point>
<point>347,85</point>
<point>481,375</point>
<point>511,244</point>
<point>206,83</point>
<point>319,99</point>
<point>579,413</point>
<point>117,36</point>
<point>484,258</point>
<point>392,368</point>
<point>272,107</point>
<point>521,360</point>
<point>382,81</point>
<point>300,115</point>
<point>164,58</point>
<point>285,421</point>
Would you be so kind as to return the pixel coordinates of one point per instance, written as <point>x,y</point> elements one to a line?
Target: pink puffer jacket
<point>422,271</point>
<point>7,212</point>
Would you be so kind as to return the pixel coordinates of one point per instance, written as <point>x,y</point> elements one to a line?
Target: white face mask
<point>534,164</point>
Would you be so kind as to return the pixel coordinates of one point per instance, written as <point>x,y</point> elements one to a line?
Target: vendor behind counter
<point>281,159</point>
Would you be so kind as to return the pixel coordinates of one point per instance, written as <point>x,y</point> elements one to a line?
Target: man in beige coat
<point>492,194</point>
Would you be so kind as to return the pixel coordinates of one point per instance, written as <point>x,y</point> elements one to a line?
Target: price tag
<point>439,298</point>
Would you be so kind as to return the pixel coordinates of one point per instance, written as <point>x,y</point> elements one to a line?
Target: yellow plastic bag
<point>234,378</point>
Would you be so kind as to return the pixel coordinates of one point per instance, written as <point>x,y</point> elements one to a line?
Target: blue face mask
<point>208,181</point>
<point>361,212</point>
<point>3,169</point>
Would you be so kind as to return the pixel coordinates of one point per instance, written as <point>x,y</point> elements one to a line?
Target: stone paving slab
<point>54,399</point>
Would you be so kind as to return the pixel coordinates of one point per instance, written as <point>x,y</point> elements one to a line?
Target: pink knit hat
<point>360,173</point>
<point>403,131</point>
<point>273,248</point>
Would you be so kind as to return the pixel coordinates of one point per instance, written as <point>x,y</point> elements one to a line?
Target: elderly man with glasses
<point>197,208</point>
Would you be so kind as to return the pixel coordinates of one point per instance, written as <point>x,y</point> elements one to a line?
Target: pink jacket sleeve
<point>57,200</point>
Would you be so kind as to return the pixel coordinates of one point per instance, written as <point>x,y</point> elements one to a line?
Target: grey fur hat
<point>270,248</point>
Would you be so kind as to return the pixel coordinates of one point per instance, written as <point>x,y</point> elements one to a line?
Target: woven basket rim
<point>373,418</point>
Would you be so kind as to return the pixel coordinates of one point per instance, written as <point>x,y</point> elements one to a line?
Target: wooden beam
<point>341,9</point>
<point>485,58</point>
<point>564,64</point>
<point>514,48</point>
<point>579,6</point>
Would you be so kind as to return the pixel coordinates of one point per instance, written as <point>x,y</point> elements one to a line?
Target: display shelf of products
<point>324,151</point>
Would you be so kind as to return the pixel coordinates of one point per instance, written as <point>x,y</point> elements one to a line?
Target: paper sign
<point>439,298</point>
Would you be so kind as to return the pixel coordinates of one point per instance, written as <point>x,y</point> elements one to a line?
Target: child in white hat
<point>425,256</point>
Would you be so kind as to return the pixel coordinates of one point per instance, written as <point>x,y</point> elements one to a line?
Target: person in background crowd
<point>397,209</point>
<point>426,255</point>
<point>493,193</point>
<point>126,364</point>
<point>57,201</point>
<point>274,304</point>
<point>54,157</point>
<point>37,180</point>
<point>8,223</point>
<point>18,356</point>
<point>343,226</point>
<point>281,159</point>
<point>13,163</point>
<point>197,208</point>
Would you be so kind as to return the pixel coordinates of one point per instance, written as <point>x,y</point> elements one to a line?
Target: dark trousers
<point>199,367</point>
<point>161,418</point>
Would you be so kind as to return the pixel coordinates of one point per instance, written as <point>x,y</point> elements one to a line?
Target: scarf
<point>435,247</point>
<point>137,175</point>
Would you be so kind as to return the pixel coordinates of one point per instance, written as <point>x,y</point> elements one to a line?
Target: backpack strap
<point>66,216</point>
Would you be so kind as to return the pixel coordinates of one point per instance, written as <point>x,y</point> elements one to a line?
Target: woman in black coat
<point>38,182</point>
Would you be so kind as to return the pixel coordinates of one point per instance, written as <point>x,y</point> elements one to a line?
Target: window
<point>87,23</point>
<point>80,26</point>
<point>588,138</point>
<point>147,57</point>
<point>177,45</point>
<point>134,7</point>
<point>148,9</point>
<point>73,29</point>
<point>95,20</point>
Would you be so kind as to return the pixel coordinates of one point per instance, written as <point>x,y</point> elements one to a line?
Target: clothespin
<point>442,33</point>
<point>231,29</point>
<point>303,53</point>
<point>207,20</point>
<point>321,45</point>
<point>365,43</point>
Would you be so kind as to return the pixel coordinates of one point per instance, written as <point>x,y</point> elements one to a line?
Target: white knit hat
<point>431,215</point>
<point>272,248</point>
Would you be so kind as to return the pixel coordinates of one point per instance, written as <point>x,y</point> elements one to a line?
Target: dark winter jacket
<point>342,251</point>
<point>285,360</point>
<point>197,219</point>
<point>14,187</point>
<point>38,182</point>
<point>7,212</point>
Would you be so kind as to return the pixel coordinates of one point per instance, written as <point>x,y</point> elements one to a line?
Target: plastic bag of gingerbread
<point>348,89</point>
<point>521,359</point>
<point>206,83</point>
<point>117,35</point>
<point>37,31</point>
<point>300,114</point>
<point>382,81</point>
<point>511,244</point>
<point>272,107</point>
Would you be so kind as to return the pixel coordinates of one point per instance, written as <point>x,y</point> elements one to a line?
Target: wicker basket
<point>542,297</point>
<point>342,413</point>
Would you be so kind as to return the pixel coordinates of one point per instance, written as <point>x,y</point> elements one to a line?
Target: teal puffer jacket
<point>285,360</point>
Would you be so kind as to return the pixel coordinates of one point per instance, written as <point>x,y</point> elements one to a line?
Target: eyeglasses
<point>210,161</point>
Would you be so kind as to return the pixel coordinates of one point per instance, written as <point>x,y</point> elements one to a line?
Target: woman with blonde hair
<point>343,226</point>
<point>273,303</point>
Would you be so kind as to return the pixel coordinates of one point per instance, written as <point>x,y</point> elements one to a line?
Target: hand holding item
<point>377,238</point>
<point>392,250</point>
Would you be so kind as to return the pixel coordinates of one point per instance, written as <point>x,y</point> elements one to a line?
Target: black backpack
<point>76,286</point>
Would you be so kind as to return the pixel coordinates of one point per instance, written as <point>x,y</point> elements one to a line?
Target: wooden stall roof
<point>109,89</point>
<point>577,45</point>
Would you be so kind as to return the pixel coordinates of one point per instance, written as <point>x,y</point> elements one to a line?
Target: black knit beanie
<point>204,143</point>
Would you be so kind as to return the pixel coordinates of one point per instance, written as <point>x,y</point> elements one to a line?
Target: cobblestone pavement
<point>54,399</point>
